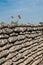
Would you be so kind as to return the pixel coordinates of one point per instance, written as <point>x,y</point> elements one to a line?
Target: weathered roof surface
<point>21,44</point>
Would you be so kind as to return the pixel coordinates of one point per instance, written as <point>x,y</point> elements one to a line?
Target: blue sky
<point>31,11</point>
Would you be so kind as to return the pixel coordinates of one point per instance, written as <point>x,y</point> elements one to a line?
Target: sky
<point>31,11</point>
